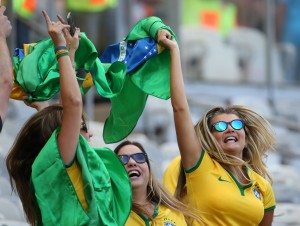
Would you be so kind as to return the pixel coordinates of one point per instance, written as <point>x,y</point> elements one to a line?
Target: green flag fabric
<point>126,109</point>
<point>37,72</point>
<point>150,78</point>
<point>153,77</point>
<point>107,187</point>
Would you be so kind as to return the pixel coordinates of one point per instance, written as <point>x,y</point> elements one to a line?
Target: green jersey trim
<point>197,165</point>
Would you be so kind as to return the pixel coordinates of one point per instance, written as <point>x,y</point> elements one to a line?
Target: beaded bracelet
<point>61,51</point>
<point>62,54</point>
<point>60,48</point>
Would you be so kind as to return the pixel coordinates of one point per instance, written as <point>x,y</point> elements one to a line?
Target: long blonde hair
<point>260,138</point>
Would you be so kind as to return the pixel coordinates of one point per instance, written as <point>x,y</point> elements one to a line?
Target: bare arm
<point>189,146</point>
<point>6,73</point>
<point>70,94</point>
<point>268,218</point>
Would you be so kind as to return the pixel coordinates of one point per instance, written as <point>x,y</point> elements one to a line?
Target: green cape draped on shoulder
<point>106,184</point>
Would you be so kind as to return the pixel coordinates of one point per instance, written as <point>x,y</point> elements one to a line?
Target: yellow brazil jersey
<point>222,200</point>
<point>162,217</point>
<point>74,172</point>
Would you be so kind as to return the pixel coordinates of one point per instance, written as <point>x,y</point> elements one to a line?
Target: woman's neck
<point>139,196</point>
<point>239,173</point>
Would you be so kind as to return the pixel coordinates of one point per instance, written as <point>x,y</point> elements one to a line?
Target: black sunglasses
<point>84,127</point>
<point>137,157</point>
<point>221,126</point>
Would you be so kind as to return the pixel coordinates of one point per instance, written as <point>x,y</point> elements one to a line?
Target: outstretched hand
<point>56,30</point>
<point>5,28</point>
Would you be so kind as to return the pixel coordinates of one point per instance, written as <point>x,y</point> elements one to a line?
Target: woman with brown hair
<point>60,179</point>
<point>152,204</point>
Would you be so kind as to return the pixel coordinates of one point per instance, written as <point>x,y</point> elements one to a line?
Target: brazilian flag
<point>148,71</point>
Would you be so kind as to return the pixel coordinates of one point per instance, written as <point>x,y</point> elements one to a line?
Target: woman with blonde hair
<point>224,174</point>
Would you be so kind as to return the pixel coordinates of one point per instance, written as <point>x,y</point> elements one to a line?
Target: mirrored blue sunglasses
<point>221,126</point>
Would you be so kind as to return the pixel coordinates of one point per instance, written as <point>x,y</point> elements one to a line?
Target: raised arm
<point>188,143</point>
<point>69,90</point>
<point>6,73</point>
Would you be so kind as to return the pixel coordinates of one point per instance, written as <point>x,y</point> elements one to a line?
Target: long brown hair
<point>28,144</point>
<point>157,193</point>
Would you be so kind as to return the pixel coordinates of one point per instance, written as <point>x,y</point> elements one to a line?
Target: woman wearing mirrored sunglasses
<point>152,204</point>
<point>222,157</point>
<point>60,179</point>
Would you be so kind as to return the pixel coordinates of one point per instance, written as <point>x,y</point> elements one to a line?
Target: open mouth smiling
<point>230,139</point>
<point>134,173</point>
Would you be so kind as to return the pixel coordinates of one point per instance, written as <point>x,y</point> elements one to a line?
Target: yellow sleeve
<point>269,198</point>
<point>170,177</point>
